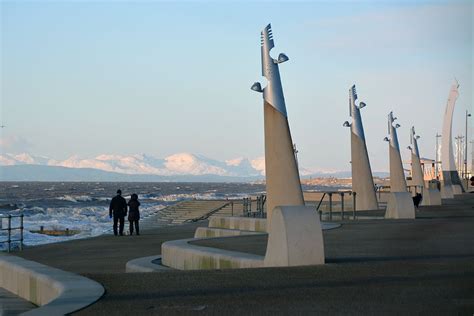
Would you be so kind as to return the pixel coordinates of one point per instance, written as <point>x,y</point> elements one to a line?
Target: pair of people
<point>118,210</point>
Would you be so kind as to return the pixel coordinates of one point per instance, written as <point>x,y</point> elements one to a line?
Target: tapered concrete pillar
<point>451,183</point>
<point>294,231</point>
<point>400,202</point>
<point>362,180</point>
<point>281,170</point>
<point>416,172</point>
<point>430,196</point>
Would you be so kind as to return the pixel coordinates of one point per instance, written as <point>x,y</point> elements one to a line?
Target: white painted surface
<point>57,292</point>
<point>397,175</point>
<point>447,153</point>
<point>362,180</point>
<point>416,172</point>
<point>181,255</point>
<point>240,223</point>
<point>400,206</point>
<point>282,178</point>
<point>210,232</point>
<point>431,197</point>
<point>295,238</point>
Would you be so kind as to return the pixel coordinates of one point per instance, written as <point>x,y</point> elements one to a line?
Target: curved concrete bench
<point>239,223</point>
<point>181,255</point>
<point>211,232</point>
<point>55,291</point>
<point>146,264</point>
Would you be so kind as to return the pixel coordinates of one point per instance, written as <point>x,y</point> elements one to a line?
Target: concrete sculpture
<point>430,196</point>
<point>362,180</point>
<point>451,183</point>
<point>294,230</point>
<point>282,177</point>
<point>400,203</point>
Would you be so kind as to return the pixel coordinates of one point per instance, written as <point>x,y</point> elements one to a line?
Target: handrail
<point>207,215</point>
<point>341,193</point>
<point>10,228</point>
<point>320,201</point>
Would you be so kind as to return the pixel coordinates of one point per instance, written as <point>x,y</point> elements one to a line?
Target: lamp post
<point>459,153</point>
<point>437,157</point>
<point>465,150</point>
<point>296,153</point>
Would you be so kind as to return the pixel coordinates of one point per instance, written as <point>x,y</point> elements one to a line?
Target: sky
<point>120,77</point>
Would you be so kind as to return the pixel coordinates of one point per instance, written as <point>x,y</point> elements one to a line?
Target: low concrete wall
<point>211,232</point>
<point>239,223</point>
<point>145,264</point>
<point>57,292</point>
<point>179,254</point>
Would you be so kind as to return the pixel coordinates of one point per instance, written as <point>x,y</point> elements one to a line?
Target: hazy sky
<point>92,77</point>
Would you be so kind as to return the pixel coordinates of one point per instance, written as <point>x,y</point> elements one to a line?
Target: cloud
<point>15,144</point>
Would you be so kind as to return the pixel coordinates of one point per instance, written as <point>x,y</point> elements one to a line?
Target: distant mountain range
<point>177,167</point>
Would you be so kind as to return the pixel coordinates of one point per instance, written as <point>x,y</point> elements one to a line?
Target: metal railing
<point>247,206</point>
<point>386,189</point>
<point>207,215</point>
<point>342,209</point>
<point>9,228</point>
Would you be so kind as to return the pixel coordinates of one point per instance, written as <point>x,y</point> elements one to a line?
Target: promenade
<point>422,266</point>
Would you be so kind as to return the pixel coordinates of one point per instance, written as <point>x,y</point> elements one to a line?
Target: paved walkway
<point>423,266</point>
<point>11,304</point>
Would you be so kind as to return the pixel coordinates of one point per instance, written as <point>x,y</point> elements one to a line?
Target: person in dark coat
<point>118,208</point>
<point>417,200</point>
<point>134,213</point>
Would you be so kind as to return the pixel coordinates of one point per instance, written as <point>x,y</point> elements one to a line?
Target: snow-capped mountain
<point>177,164</point>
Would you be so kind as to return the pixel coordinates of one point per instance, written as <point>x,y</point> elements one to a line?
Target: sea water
<point>84,206</point>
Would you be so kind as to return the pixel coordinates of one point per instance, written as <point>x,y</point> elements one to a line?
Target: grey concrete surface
<point>54,291</point>
<point>423,266</point>
<point>11,304</point>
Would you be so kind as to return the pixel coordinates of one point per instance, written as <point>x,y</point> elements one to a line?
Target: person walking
<point>134,213</point>
<point>118,208</point>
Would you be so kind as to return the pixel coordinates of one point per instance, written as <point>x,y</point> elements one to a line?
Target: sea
<point>84,206</point>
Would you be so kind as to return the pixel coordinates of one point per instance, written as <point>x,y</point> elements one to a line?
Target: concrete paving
<point>11,304</point>
<point>422,266</point>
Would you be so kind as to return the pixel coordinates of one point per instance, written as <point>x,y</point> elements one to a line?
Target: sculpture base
<point>447,191</point>
<point>431,197</point>
<point>457,189</point>
<point>295,237</point>
<point>400,206</point>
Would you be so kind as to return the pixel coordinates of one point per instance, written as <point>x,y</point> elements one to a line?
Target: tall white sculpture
<point>451,183</point>
<point>400,203</point>
<point>416,172</point>
<point>294,231</point>
<point>281,170</point>
<point>430,196</point>
<point>362,180</point>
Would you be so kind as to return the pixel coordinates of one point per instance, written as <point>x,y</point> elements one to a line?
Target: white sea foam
<point>90,221</point>
<point>75,198</point>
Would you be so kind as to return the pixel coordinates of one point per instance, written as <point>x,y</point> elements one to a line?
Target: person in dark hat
<point>134,213</point>
<point>118,209</point>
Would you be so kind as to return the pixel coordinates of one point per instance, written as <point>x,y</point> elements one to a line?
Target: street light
<point>437,157</point>
<point>465,152</point>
